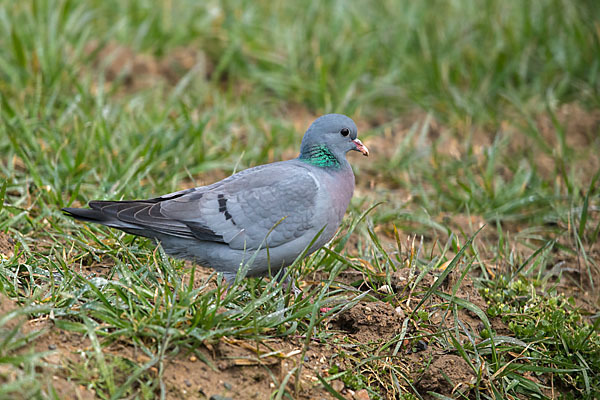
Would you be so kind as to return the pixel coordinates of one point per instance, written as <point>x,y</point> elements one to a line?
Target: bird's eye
<point>345,131</point>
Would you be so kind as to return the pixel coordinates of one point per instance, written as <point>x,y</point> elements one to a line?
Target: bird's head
<point>333,133</point>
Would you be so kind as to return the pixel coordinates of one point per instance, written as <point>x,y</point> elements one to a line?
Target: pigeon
<point>262,218</point>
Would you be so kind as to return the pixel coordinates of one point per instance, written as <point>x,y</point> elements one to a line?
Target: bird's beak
<point>361,147</point>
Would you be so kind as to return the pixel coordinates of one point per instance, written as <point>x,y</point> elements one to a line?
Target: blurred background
<point>476,113</point>
<point>192,84</point>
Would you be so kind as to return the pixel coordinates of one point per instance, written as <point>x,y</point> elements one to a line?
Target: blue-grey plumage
<point>264,216</point>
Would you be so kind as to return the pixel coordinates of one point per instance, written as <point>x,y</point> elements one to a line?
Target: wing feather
<point>263,206</point>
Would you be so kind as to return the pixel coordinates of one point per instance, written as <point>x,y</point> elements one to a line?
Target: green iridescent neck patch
<point>320,156</point>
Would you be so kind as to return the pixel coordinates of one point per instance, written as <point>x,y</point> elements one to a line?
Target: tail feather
<point>128,216</point>
<point>97,216</point>
<point>86,214</point>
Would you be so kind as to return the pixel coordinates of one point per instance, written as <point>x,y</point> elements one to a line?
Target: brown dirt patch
<point>239,370</point>
<point>58,346</point>
<point>253,370</point>
<point>428,364</point>
<point>445,375</point>
<point>574,279</point>
<point>8,305</point>
<point>581,129</point>
<point>134,70</point>
<point>581,126</point>
<point>63,347</point>
<point>7,245</point>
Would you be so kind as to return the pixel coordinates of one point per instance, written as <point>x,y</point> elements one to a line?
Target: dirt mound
<point>447,374</point>
<point>370,322</point>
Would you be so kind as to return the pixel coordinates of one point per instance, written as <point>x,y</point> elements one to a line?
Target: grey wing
<point>275,203</point>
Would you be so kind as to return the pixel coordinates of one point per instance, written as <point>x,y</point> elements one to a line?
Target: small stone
<point>219,397</point>
<point>53,358</point>
<point>227,385</point>
<point>421,345</point>
<point>362,394</point>
<point>51,347</point>
<point>337,385</point>
<point>386,289</point>
<point>400,312</point>
<point>187,383</point>
<point>193,359</point>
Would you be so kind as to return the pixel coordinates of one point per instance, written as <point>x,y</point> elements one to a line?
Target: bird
<point>260,219</point>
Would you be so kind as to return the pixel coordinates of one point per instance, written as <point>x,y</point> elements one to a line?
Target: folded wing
<point>275,202</point>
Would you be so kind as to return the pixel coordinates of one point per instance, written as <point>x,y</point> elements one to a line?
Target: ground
<point>467,265</point>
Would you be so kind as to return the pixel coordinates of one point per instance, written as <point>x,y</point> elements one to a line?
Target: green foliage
<point>350,379</point>
<point>109,377</point>
<point>558,331</point>
<point>464,100</point>
<point>19,378</point>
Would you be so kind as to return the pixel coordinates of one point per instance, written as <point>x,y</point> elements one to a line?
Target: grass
<point>479,113</point>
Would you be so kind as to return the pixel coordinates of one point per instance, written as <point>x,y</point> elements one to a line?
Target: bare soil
<point>130,71</point>
<point>6,245</point>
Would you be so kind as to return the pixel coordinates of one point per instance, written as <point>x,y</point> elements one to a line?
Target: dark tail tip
<point>84,214</point>
<point>72,212</point>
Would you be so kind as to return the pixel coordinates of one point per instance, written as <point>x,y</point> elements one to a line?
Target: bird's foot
<point>287,282</point>
<point>286,286</point>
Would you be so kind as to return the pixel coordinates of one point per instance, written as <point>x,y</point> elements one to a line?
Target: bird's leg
<point>287,281</point>
<point>230,280</point>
